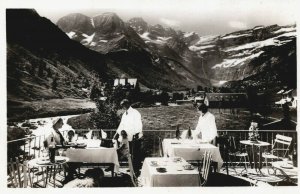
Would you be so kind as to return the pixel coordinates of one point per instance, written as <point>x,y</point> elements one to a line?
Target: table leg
<point>46,179</point>
<point>112,171</point>
<point>54,174</point>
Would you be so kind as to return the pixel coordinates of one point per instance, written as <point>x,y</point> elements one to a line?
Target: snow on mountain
<point>235,36</point>
<point>285,29</point>
<point>232,62</point>
<point>71,34</point>
<point>88,39</point>
<point>268,42</point>
<point>188,34</point>
<point>199,48</point>
<point>92,22</point>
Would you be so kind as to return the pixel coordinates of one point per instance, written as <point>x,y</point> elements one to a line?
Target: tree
<point>106,116</point>
<point>54,83</point>
<point>199,88</point>
<point>252,99</point>
<point>164,98</point>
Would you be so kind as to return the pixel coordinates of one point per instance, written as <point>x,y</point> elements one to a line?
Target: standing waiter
<point>131,122</point>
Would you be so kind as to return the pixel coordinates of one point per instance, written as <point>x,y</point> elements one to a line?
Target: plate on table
<point>188,167</point>
<point>153,163</point>
<point>43,162</point>
<point>287,166</point>
<point>176,159</point>
<point>161,170</point>
<point>81,145</point>
<point>59,159</point>
<point>71,144</point>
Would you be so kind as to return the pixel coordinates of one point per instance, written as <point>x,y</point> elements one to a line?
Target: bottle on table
<point>177,133</point>
<point>294,155</point>
<point>189,134</point>
<point>51,147</point>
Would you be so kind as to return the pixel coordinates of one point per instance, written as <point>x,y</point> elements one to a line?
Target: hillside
<point>128,52</point>
<point>43,63</point>
<point>264,56</point>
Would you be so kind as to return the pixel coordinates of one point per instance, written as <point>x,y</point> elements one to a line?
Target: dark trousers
<point>136,154</point>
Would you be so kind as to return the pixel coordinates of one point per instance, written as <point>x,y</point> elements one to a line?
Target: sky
<point>206,17</point>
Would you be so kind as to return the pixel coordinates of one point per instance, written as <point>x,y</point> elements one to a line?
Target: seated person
<point>70,138</point>
<point>93,178</point>
<point>92,133</point>
<point>54,136</point>
<point>123,149</point>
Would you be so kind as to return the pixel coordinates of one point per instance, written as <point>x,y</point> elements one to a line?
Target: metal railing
<point>30,147</point>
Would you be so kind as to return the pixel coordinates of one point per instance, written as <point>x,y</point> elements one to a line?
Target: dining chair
<point>240,155</point>
<point>131,171</point>
<point>204,172</point>
<point>161,150</point>
<point>280,148</point>
<point>223,144</point>
<point>18,173</point>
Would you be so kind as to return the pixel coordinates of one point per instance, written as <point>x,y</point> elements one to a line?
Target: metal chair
<point>132,174</point>
<point>203,173</point>
<point>280,149</point>
<point>236,152</point>
<point>19,175</point>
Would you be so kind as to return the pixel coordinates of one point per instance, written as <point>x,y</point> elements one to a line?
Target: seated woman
<point>96,134</point>
<point>70,138</point>
<point>123,149</point>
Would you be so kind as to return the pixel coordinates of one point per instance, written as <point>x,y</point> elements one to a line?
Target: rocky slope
<point>262,56</point>
<point>43,63</point>
<point>138,50</point>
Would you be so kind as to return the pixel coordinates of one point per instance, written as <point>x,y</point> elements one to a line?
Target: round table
<point>48,166</point>
<point>287,169</point>
<point>254,144</point>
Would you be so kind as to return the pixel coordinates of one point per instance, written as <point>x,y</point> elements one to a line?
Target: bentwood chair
<point>280,149</point>
<point>204,172</point>
<point>132,174</point>
<point>18,174</point>
<point>240,155</point>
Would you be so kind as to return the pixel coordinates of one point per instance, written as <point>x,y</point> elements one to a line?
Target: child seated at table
<point>123,149</point>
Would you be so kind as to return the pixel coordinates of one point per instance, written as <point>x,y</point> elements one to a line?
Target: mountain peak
<point>108,22</point>
<point>75,22</point>
<point>138,24</point>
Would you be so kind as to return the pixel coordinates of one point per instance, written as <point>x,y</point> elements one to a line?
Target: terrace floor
<point>236,177</point>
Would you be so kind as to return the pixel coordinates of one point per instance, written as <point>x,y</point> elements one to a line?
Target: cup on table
<point>60,152</point>
<point>285,161</point>
<point>45,154</point>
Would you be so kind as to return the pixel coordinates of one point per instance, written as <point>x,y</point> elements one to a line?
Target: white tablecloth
<point>191,150</point>
<point>175,176</point>
<point>94,155</point>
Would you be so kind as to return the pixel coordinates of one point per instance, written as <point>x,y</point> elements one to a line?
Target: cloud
<point>237,25</point>
<point>169,22</point>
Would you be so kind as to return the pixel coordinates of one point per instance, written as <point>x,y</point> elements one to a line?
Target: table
<point>191,150</point>
<point>175,176</point>
<point>38,163</point>
<point>290,173</point>
<point>254,144</point>
<point>97,155</point>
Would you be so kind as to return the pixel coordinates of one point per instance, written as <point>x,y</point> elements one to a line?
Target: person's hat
<point>56,120</point>
<point>124,101</point>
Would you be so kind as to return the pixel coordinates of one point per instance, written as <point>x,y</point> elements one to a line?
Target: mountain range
<point>46,60</point>
<point>264,56</point>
